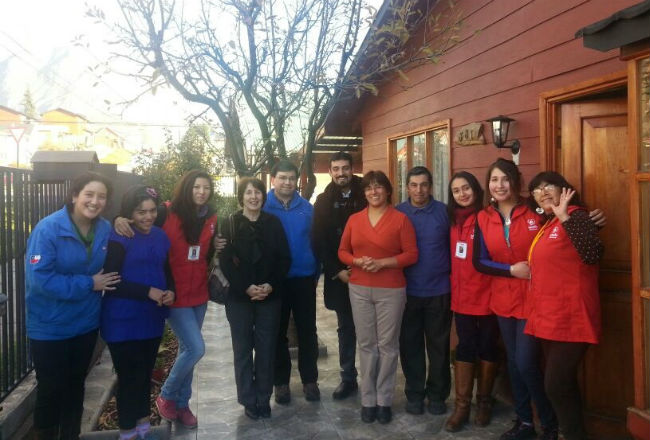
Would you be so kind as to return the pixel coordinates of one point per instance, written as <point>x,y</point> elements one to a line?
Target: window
<point>428,147</point>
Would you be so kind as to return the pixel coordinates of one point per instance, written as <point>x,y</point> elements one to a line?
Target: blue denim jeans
<point>525,374</point>
<point>186,322</point>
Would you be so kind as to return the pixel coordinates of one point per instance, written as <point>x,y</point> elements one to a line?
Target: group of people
<point>85,277</point>
<point>524,269</point>
<point>503,265</point>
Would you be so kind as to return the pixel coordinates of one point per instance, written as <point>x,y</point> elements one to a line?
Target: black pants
<point>254,327</point>
<point>299,297</point>
<point>477,337</point>
<point>347,344</point>
<point>133,362</point>
<point>561,385</point>
<point>61,367</point>
<point>426,323</point>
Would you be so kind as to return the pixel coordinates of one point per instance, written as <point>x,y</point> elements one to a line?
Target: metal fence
<point>23,202</point>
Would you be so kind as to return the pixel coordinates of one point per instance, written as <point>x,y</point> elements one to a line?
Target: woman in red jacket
<point>476,325</point>
<point>189,223</point>
<point>506,229</point>
<point>564,301</point>
<point>377,243</point>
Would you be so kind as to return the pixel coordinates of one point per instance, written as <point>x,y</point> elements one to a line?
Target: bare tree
<point>268,69</point>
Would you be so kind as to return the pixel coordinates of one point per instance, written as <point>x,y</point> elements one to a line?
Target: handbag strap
<point>231,224</point>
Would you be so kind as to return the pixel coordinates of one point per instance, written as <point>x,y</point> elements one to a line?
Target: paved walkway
<point>221,417</point>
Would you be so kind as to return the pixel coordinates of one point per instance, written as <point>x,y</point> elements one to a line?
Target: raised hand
<point>561,210</point>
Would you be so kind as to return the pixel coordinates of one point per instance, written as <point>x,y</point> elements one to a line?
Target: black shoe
<point>282,394</point>
<point>520,431</point>
<point>549,434</point>
<point>251,412</point>
<point>415,407</point>
<point>312,393</point>
<point>436,407</point>
<point>264,410</point>
<point>368,413</point>
<point>345,389</point>
<point>384,414</point>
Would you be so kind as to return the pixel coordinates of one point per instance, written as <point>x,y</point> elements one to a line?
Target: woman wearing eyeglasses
<point>564,303</point>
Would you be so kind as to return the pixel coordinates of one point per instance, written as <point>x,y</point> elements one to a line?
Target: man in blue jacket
<point>298,291</point>
<point>427,315</point>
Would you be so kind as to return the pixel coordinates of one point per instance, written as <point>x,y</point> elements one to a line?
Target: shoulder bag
<point>218,284</point>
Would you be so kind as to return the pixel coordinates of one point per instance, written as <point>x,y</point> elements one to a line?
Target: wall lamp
<point>500,126</point>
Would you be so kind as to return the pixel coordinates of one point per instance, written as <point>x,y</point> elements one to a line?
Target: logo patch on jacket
<point>554,232</point>
<point>532,224</point>
<point>34,259</point>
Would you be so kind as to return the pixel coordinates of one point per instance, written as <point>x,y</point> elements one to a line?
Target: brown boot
<point>464,382</point>
<point>486,374</point>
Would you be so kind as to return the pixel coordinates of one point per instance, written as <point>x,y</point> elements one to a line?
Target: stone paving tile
<point>214,400</point>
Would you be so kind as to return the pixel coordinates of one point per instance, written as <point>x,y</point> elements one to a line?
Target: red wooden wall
<point>510,51</point>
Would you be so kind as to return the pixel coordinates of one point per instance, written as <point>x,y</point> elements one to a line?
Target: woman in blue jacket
<point>63,282</point>
<point>133,315</point>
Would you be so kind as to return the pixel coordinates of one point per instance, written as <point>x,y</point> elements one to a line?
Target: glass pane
<point>401,154</point>
<point>644,222</point>
<point>419,150</point>
<point>440,164</point>
<point>644,114</point>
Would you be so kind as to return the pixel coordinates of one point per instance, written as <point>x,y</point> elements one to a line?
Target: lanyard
<point>537,238</point>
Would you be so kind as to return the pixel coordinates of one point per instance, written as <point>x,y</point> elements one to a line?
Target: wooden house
<point>574,77</point>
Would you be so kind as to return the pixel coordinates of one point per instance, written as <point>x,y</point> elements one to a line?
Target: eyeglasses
<point>543,189</point>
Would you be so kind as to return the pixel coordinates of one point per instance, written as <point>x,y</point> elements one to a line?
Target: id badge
<point>461,250</point>
<point>193,253</point>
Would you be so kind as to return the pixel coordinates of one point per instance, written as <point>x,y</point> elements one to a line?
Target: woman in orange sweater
<point>377,243</point>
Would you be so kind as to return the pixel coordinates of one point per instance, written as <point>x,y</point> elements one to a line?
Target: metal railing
<point>23,202</point>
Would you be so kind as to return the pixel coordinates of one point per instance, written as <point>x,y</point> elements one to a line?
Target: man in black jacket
<point>341,198</point>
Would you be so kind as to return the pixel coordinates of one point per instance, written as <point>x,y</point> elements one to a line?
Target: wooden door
<point>594,157</point>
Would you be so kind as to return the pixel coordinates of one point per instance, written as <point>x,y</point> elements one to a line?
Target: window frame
<point>443,124</point>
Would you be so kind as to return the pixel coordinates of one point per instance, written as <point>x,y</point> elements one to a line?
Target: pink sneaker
<point>186,418</point>
<point>166,408</point>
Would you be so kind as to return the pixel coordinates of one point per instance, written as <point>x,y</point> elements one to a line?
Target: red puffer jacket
<point>508,297</point>
<point>564,299</point>
<point>189,263</point>
<point>470,290</point>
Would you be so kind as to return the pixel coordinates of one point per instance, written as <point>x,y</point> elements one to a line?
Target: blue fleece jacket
<point>430,275</point>
<point>296,220</point>
<point>59,294</point>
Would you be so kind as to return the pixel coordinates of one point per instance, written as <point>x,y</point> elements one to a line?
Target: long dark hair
<point>553,178</point>
<point>510,169</point>
<point>476,205</point>
<point>185,208</point>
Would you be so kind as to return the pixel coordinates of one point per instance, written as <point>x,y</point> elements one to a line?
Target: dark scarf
<point>249,238</point>
<point>461,214</point>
